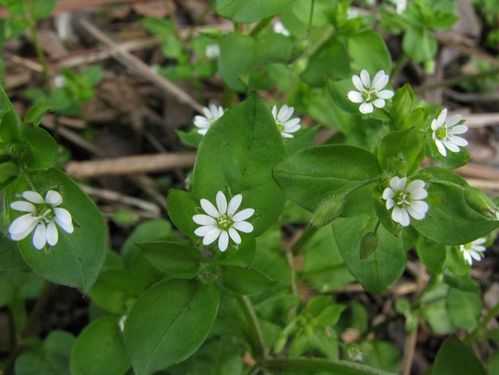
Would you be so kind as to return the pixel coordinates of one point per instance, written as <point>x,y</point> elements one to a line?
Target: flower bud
<point>480,202</point>
<point>329,209</point>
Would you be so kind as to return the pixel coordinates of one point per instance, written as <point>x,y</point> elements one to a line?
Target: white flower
<point>41,216</point>
<point>401,5</point>
<point>279,28</point>
<point>223,221</point>
<point>211,115</point>
<point>473,250</point>
<point>352,13</point>
<point>406,200</point>
<point>370,94</point>
<point>445,132</point>
<point>284,121</point>
<point>212,51</point>
<point>59,81</point>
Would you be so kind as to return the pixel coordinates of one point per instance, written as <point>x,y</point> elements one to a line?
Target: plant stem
<point>260,26</point>
<point>482,327</point>
<point>256,330</point>
<point>34,36</point>
<point>308,233</point>
<point>317,364</point>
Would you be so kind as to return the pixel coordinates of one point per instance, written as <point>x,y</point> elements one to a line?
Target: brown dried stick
<point>130,165</point>
<point>141,68</point>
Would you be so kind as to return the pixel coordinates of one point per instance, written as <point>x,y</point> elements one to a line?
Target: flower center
<point>369,95</point>
<point>402,199</point>
<point>441,132</point>
<point>225,222</point>
<point>45,214</point>
<point>280,126</point>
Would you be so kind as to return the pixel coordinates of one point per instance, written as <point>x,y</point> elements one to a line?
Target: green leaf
<point>402,106</point>
<point>10,258</point>
<point>36,112</point>
<point>169,323</point>
<point>369,51</point>
<point>49,358</point>
<point>383,267</point>
<point>237,57</point>
<point>456,358</point>
<point>176,259</point>
<point>324,267</point>
<point>181,207</point>
<point>77,258</point>
<point>135,261</point>
<point>246,281</point>
<point>431,254</point>
<point>99,350</point>
<point>419,44</point>
<point>329,62</point>
<point>43,148</point>
<point>450,220</point>
<point>246,145</point>
<point>312,175</point>
<point>251,11</point>
<point>464,308</point>
<point>401,152</point>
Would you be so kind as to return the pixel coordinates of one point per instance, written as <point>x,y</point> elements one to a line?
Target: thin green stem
<point>254,325</point>
<point>36,41</point>
<point>317,364</point>
<point>307,234</point>
<point>260,26</point>
<point>311,16</point>
<point>482,327</point>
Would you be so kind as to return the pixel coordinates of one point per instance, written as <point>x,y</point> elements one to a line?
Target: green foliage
<point>456,358</point>
<point>243,11</point>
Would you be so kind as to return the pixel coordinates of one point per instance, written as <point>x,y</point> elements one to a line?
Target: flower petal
<point>22,227</point>
<point>417,189</point>
<point>380,80</point>
<point>355,97</point>
<point>458,141</point>
<point>221,203</point>
<point>366,108</point>
<point>385,94</point>
<point>23,206</point>
<point>357,83</point>
<point>52,234</point>
<point>457,130</point>
<point>387,193</point>
<point>33,197</point>
<point>235,236</point>
<point>243,226</point>
<point>234,204</point>
<point>274,112</point>
<point>454,120</point>
<point>211,236</point>
<point>204,230</point>
<point>243,215</point>
<point>223,241</point>
<point>364,77</point>
<point>40,236</point>
<point>450,146</point>
<point>397,183</point>
<point>389,204</point>
<point>379,103</point>
<point>442,117</point>
<point>418,209</point>
<point>209,208</point>
<point>63,219</point>
<point>53,198</point>
<point>441,148</point>
<point>400,215</point>
<point>204,220</point>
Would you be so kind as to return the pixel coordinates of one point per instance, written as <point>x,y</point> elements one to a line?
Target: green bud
<point>329,209</point>
<point>368,245</point>
<point>480,202</point>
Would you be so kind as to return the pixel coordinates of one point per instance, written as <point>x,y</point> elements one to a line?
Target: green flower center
<point>402,199</point>
<point>280,126</point>
<point>45,213</point>
<point>441,132</point>
<point>369,95</point>
<point>225,222</point>
<point>468,247</point>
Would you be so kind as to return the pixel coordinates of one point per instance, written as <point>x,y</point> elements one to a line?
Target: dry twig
<point>130,165</point>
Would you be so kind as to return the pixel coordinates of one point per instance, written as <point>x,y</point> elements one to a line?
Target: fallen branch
<point>130,165</point>
<point>114,196</point>
<point>479,171</point>
<point>141,68</point>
